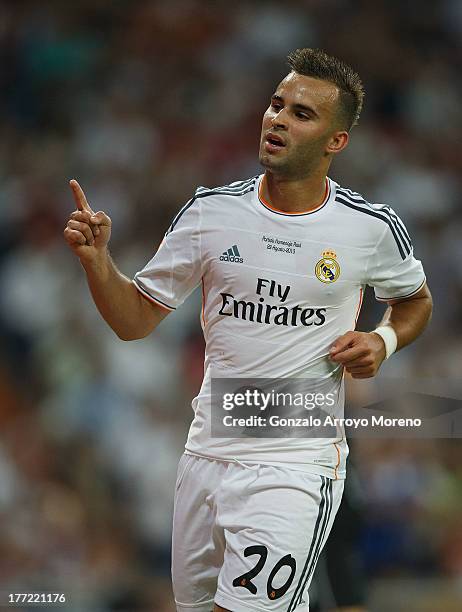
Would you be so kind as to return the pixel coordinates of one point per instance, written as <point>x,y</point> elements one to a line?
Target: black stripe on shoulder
<point>231,187</point>
<point>231,193</point>
<point>236,186</point>
<point>397,221</point>
<point>404,249</point>
<point>384,208</point>
<point>352,195</point>
<point>180,214</point>
<point>238,191</point>
<point>404,238</point>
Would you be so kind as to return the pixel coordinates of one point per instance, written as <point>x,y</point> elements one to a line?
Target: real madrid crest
<point>327,269</point>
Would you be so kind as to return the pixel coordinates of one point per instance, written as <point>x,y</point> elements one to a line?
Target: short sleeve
<point>175,270</point>
<point>394,272</point>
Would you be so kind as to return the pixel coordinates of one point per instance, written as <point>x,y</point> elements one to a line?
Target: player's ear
<point>337,142</point>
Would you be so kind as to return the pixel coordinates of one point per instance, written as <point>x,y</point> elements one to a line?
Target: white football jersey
<point>278,289</point>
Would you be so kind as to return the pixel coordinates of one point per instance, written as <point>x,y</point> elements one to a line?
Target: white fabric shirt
<point>278,289</point>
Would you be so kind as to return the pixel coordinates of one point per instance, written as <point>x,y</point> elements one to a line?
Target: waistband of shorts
<point>310,468</point>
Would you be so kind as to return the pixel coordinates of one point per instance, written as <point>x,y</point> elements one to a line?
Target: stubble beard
<point>296,166</point>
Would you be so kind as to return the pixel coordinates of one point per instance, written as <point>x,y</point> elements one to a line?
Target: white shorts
<point>248,537</point>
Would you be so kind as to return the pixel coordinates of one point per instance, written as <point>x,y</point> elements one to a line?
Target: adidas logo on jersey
<point>232,255</point>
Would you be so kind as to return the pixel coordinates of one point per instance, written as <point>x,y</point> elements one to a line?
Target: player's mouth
<point>274,143</point>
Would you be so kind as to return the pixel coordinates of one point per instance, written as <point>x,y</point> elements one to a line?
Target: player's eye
<point>301,115</point>
<point>276,105</point>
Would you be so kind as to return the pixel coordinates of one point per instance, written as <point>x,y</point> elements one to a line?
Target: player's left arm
<point>362,353</point>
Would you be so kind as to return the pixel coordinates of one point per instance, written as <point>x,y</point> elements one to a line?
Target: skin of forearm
<point>408,318</point>
<point>118,301</point>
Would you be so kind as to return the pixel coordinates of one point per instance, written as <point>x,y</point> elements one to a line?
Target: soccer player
<point>283,259</point>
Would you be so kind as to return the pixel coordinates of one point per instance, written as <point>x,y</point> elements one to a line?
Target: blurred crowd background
<point>142,101</point>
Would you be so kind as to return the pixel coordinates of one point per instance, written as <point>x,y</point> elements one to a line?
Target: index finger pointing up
<point>79,196</point>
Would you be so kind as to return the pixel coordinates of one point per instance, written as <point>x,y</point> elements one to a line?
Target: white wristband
<point>390,338</point>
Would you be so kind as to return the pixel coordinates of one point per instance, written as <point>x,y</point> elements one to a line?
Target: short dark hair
<point>317,64</point>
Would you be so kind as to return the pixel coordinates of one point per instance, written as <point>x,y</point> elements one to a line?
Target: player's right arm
<point>121,305</point>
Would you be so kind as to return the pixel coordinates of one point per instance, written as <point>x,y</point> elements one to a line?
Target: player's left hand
<point>360,353</point>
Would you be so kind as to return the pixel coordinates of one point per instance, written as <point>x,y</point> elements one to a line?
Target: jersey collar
<point>329,189</point>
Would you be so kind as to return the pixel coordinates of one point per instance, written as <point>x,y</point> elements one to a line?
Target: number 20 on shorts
<point>245,580</point>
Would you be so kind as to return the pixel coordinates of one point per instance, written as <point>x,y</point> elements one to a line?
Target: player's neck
<point>294,196</point>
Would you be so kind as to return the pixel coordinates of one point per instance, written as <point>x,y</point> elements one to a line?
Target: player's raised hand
<point>86,232</point>
<point>360,353</point>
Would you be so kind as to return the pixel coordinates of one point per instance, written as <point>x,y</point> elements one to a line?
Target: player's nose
<point>279,120</point>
